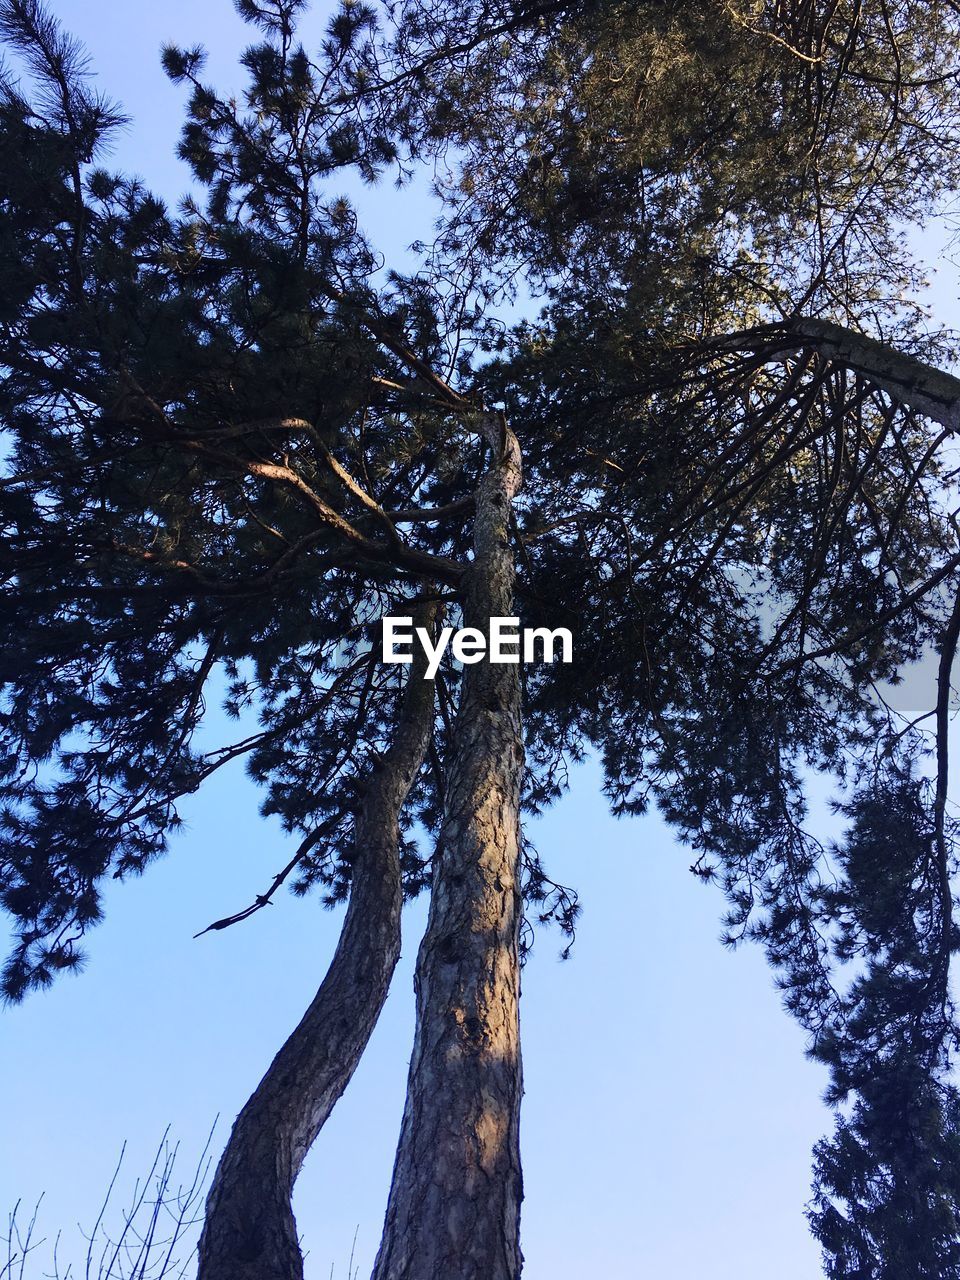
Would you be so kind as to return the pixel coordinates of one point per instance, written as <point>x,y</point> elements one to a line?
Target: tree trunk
<point>454,1205</point>
<point>249,1231</point>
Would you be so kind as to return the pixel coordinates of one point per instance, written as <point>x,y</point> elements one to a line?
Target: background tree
<point>151,1237</point>
<point>737,490</point>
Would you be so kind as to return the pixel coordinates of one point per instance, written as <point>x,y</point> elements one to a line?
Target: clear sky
<point>669,1111</point>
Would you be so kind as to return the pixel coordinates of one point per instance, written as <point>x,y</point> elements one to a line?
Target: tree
<point>249,1222</point>
<point>232,448</point>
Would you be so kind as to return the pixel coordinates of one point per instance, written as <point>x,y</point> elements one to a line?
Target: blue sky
<point>669,1113</point>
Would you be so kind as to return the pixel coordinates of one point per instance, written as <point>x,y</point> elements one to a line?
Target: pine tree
<point>720,455</point>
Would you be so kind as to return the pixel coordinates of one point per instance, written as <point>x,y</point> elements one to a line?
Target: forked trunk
<point>249,1231</point>
<point>454,1205</point>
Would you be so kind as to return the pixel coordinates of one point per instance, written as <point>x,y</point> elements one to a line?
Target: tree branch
<point>907,380</point>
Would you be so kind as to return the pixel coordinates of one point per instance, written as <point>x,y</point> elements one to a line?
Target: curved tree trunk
<point>249,1232</point>
<point>454,1204</point>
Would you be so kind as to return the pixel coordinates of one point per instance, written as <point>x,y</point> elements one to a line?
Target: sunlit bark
<point>455,1200</point>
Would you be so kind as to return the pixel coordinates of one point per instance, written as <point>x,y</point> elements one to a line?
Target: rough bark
<point>249,1231</point>
<point>454,1206</point>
